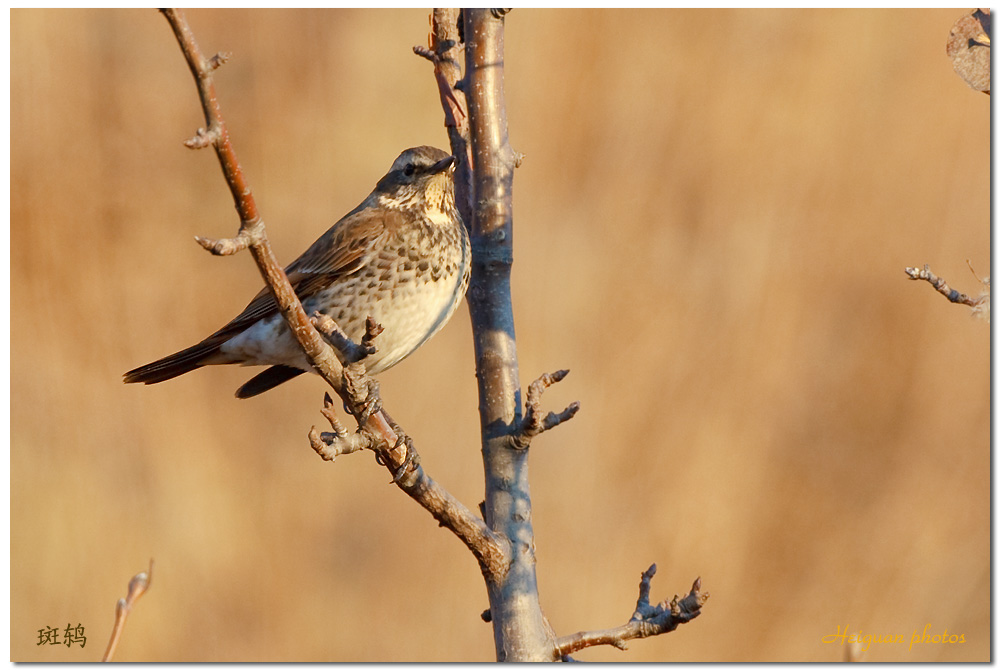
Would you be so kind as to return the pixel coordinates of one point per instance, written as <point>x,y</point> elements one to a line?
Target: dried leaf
<point>969,49</point>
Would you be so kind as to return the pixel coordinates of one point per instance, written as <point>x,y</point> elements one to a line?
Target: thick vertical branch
<point>519,629</point>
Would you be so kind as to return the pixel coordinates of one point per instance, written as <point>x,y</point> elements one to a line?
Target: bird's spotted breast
<point>412,292</point>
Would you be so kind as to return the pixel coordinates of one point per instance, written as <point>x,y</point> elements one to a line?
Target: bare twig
<point>444,51</point>
<point>940,285</point>
<point>534,423</point>
<point>980,305</point>
<point>647,620</point>
<point>224,247</point>
<point>350,352</point>
<point>331,445</point>
<point>425,52</point>
<point>393,448</point>
<point>138,585</point>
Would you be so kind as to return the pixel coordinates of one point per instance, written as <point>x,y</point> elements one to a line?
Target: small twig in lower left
<point>136,587</point>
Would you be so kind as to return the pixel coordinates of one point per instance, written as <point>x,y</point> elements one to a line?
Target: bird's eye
<point>408,169</point>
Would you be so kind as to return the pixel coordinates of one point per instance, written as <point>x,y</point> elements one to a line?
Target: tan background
<point>712,222</point>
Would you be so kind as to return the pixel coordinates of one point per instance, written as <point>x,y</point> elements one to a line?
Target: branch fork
<point>653,619</point>
<point>534,423</point>
<point>226,246</point>
<point>331,445</point>
<point>361,399</point>
<point>647,620</point>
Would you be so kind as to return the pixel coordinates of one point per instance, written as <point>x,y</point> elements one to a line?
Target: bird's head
<point>420,178</point>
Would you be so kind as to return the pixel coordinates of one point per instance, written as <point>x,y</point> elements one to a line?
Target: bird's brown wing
<point>341,251</point>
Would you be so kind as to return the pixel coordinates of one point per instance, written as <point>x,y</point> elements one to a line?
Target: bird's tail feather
<point>173,365</point>
<point>267,380</point>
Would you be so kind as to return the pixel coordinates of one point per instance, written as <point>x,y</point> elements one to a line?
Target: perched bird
<point>402,257</point>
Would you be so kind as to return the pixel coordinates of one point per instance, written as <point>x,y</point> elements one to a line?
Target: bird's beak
<point>442,165</point>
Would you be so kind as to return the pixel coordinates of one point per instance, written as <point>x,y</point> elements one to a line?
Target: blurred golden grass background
<point>712,221</point>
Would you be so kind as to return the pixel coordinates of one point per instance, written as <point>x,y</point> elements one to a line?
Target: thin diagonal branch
<point>252,235</point>
<point>647,620</point>
<point>444,51</point>
<point>393,448</point>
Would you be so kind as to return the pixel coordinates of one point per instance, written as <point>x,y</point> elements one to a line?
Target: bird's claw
<point>412,458</point>
<point>372,403</point>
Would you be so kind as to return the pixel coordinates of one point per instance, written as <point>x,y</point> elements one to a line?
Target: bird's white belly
<point>410,314</point>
